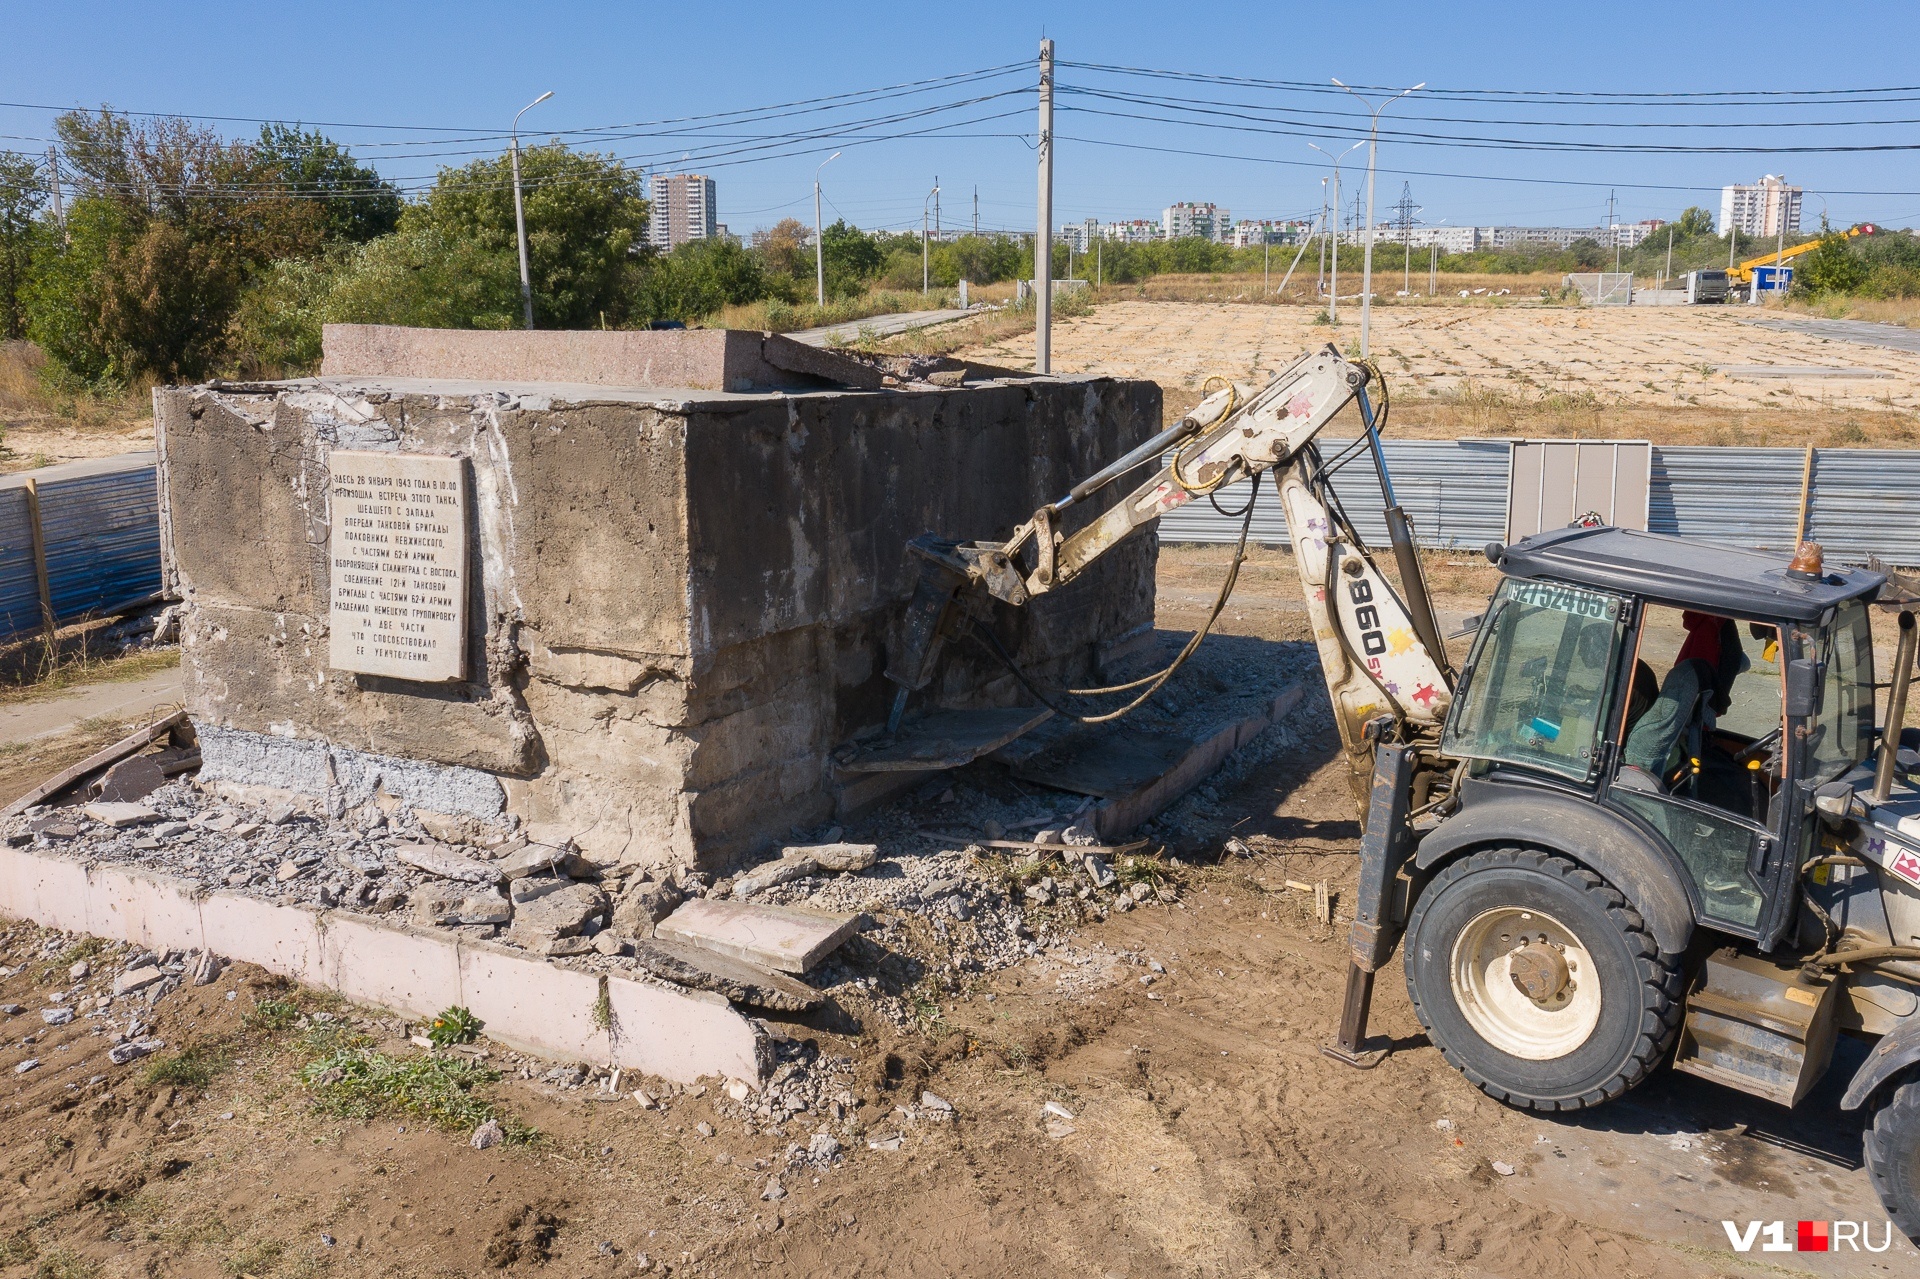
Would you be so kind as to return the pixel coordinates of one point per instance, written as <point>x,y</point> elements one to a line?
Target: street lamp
<point>819,252</point>
<point>1333,290</point>
<point>519,212</point>
<point>1373,151</point>
<point>925,206</point>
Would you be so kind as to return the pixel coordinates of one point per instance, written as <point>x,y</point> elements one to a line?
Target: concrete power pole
<point>1373,154</point>
<point>59,206</point>
<point>1043,237</point>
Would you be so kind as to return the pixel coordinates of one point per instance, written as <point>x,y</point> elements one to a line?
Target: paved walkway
<point>1894,337</point>
<point>876,325</point>
<point>129,699</point>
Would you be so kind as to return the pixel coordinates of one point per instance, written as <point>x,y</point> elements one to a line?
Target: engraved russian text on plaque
<point>399,564</point>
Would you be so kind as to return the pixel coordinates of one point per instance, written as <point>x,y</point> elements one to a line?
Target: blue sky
<point>470,66</point>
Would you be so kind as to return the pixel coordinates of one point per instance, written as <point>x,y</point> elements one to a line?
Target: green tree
<point>168,223</point>
<point>22,195</point>
<point>1693,221</point>
<point>355,202</point>
<point>417,276</point>
<point>852,258</point>
<point>1831,268</point>
<point>586,220</point>
<point>699,277</point>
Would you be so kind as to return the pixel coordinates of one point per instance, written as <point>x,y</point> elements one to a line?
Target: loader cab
<point>1698,694</point>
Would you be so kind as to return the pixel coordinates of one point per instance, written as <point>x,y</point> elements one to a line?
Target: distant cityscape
<point>685,208</point>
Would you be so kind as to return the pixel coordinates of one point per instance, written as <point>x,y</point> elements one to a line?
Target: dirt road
<point>1208,1136</point>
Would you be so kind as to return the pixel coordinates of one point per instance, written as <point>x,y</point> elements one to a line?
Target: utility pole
<point>1043,238</point>
<point>931,195</point>
<point>976,211</point>
<point>59,206</point>
<point>1266,260</point>
<point>819,245</point>
<point>1433,268</point>
<point>1780,238</point>
<point>1320,285</point>
<point>1667,274</point>
<point>1612,234</point>
<point>1100,262</point>
<point>1373,154</point>
<point>519,212</point>
<point>1333,286</point>
<point>936,207</point>
<point>1404,212</point>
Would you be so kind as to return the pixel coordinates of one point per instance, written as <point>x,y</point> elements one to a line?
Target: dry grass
<point>31,671</point>
<point>1904,311</point>
<point>42,423</point>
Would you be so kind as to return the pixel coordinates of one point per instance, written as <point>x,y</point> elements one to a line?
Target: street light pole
<point>519,210</point>
<point>924,206</point>
<point>1043,232</point>
<point>819,249</point>
<point>1373,152</point>
<point>1333,287</point>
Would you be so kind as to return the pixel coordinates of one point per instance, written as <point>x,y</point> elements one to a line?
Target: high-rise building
<point>1137,231</point>
<point>1768,207</point>
<point>1185,218</point>
<point>683,209</point>
<point>1080,235</point>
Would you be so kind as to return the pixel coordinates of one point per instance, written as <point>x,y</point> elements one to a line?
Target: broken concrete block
<point>842,858</point>
<point>534,887</point>
<point>438,859</point>
<point>643,906</point>
<point>137,979</point>
<point>120,816</point>
<point>1099,872</point>
<point>445,827</point>
<point>790,941</point>
<point>131,779</point>
<point>543,859</point>
<point>453,904</point>
<point>565,912</point>
<point>133,1050</point>
<point>779,872</point>
<point>700,968</point>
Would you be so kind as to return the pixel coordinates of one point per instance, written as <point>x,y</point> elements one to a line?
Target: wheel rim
<point>1507,946</point>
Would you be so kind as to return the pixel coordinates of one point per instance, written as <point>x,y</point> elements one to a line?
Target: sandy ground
<point>1673,374</point>
<point>1210,1136</point>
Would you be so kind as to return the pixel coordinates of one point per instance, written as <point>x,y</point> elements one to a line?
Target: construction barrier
<point>1855,502</point>
<point>77,540</point>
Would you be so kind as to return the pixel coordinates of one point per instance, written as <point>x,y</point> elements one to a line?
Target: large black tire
<point>1640,989</point>
<point>1893,1155</point>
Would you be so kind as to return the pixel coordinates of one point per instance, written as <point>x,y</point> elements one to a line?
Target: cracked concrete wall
<point>679,602</point>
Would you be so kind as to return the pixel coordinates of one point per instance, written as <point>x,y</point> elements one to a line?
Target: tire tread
<point>1661,977</point>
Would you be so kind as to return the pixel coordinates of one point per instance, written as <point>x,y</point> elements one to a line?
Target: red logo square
<point>1813,1236</point>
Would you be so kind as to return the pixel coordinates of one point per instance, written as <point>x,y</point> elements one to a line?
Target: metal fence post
<point>40,562</point>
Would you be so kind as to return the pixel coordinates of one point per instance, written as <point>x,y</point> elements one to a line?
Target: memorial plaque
<point>399,564</point>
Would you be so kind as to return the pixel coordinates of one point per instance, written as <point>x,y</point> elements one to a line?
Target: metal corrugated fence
<point>1860,502</point>
<point>100,528</point>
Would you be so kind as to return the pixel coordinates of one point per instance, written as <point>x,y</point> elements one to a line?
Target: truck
<point>1590,871</point>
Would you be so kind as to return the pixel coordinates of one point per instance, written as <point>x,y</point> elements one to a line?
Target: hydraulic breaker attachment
<point>1385,846</point>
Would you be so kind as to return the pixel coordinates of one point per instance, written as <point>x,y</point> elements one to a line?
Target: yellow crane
<point>1743,274</point>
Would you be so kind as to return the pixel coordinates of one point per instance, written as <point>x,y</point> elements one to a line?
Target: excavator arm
<point>1380,651</point>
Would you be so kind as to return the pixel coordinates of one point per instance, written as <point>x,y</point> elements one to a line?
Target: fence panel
<point>100,525</point>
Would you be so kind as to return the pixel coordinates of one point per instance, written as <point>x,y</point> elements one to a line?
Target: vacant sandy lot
<point>1673,374</point>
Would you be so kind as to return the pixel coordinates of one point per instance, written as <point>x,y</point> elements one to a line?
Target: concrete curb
<point>526,1002</point>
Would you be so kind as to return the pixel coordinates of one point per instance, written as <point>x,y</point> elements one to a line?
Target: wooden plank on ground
<point>100,759</point>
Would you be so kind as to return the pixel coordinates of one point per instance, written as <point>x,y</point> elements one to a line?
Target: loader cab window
<point>1700,755</point>
<point>1539,675</point>
<point>1843,730</point>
